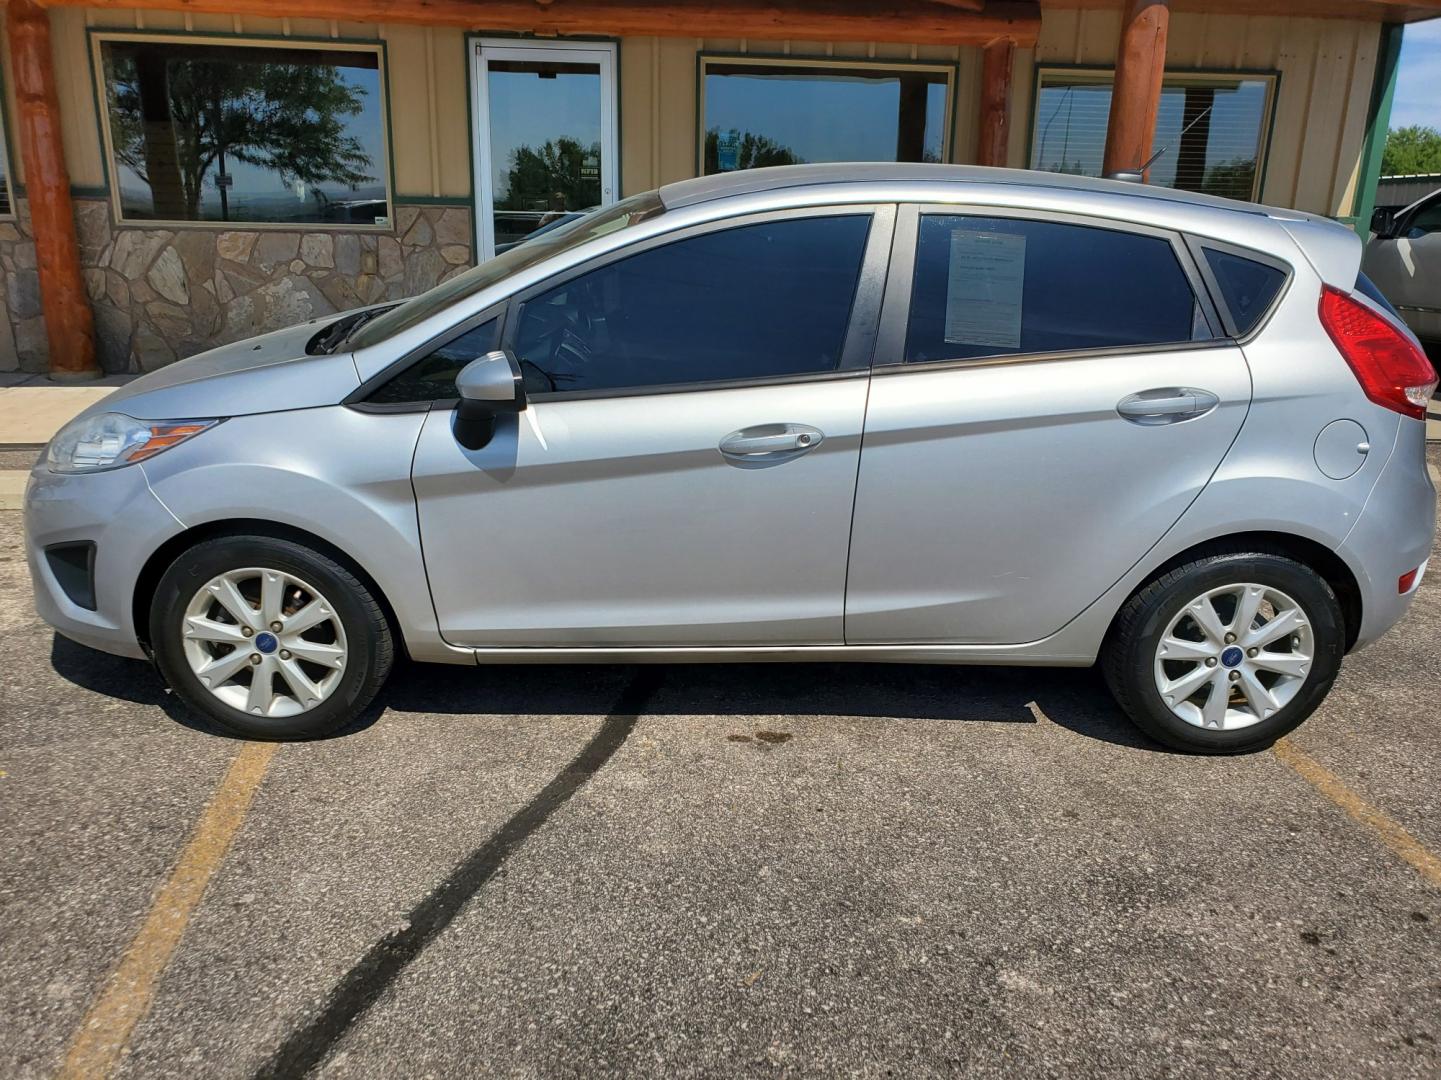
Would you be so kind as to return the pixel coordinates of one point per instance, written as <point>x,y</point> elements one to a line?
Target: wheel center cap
<point>267,642</point>
<point>1232,657</point>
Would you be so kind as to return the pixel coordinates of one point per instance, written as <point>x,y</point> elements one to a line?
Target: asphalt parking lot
<point>713,871</point>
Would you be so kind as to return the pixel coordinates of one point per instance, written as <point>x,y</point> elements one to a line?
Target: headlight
<point>110,440</point>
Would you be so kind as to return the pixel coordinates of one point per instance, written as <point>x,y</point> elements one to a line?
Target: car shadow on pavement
<point>1073,698</point>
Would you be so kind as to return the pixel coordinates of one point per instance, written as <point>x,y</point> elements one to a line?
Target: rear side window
<point>989,286</point>
<point>1247,287</point>
<point>752,302</point>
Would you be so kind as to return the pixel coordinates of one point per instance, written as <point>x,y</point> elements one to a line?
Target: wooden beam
<point>1389,11</point>
<point>995,121</point>
<point>1136,92</point>
<point>938,22</point>
<point>69,324</point>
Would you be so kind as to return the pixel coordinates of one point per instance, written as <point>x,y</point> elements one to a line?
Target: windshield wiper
<point>331,340</point>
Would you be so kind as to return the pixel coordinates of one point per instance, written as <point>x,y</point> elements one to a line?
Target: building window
<point>220,130</point>
<point>1210,129</point>
<point>7,209</point>
<point>756,112</point>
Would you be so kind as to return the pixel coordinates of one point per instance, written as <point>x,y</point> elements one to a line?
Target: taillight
<point>1390,368</point>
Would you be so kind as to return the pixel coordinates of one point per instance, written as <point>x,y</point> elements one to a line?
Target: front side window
<point>991,286</point>
<point>759,112</point>
<point>751,302</point>
<point>1425,221</point>
<point>222,131</point>
<point>1210,129</point>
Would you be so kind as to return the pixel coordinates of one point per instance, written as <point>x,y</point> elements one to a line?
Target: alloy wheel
<point>1234,656</point>
<point>264,642</point>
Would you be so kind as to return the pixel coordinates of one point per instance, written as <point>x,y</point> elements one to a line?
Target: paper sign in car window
<point>983,289</point>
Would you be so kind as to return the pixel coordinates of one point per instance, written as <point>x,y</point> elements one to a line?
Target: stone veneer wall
<point>166,293</point>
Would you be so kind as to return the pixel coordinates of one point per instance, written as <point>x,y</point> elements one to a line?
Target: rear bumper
<point>1393,534</point>
<point>116,512</point>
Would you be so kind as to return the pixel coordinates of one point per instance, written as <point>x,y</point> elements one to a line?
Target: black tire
<point>369,644</point>
<point>1128,658</point>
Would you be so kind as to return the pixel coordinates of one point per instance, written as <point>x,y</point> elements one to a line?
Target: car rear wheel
<point>269,638</point>
<point>1226,654</point>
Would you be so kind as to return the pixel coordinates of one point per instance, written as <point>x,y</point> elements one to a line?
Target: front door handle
<point>768,441</point>
<point>1167,405</point>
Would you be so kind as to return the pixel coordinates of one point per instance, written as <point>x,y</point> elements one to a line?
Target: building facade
<point>230,169</point>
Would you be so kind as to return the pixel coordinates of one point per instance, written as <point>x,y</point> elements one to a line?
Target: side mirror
<point>1383,223</point>
<point>487,387</point>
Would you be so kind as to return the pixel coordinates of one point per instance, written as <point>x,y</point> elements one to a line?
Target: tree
<point>561,175</point>
<point>1234,179</point>
<point>754,152</point>
<point>173,118</point>
<point>1410,150</point>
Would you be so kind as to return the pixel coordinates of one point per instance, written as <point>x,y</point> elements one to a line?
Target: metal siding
<point>1326,69</point>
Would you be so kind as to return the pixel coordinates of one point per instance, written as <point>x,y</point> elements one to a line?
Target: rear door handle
<point>771,440</point>
<point>1167,405</point>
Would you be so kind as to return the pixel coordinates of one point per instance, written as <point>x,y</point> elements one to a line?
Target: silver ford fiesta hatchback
<point>884,413</point>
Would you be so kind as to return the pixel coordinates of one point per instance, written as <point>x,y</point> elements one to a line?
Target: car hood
<point>262,374</point>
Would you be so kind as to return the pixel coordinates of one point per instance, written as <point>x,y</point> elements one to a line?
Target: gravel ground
<point>711,871</point>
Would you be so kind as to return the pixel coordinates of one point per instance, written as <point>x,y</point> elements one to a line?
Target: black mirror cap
<point>1383,222</point>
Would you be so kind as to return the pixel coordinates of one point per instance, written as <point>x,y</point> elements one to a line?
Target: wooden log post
<point>995,120</point>
<point>1136,93</point>
<point>69,324</point>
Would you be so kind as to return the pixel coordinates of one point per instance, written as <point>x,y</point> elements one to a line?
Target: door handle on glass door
<point>1167,405</point>
<point>771,440</point>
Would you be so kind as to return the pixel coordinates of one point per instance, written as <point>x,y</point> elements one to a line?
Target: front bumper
<point>118,513</point>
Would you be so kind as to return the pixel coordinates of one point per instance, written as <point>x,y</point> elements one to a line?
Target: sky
<point>1418,100</point>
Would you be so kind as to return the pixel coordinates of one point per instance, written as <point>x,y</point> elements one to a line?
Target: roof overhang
<point>1365,10</point>
<point>941,22</point>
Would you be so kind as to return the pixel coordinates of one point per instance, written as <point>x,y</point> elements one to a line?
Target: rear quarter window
<point>1247,287</point>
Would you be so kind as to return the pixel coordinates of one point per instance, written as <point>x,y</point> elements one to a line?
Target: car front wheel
<point>269,638</point>
<point>1227,653</point>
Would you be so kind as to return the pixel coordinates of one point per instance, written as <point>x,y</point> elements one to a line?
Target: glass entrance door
<point>545,136</point>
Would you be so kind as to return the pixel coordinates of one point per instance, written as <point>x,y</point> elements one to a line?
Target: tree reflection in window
<point>761,111</point>
<point>241,133</point>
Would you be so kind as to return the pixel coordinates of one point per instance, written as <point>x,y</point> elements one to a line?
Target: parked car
<point>926,414</point>
<point>1403,258</point>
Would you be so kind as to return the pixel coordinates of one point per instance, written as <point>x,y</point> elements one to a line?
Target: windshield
<point>597,223</point>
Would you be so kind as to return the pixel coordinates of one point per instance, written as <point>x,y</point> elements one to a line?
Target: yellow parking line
<point>1392,834</point>
<point>105,1031</point>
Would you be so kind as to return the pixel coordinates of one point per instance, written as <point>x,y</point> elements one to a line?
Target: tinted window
<point>1247,287</point>
<point>993,286</point>
<point>1425,221</point>
<point>433,378</point>
<point>745,303</point>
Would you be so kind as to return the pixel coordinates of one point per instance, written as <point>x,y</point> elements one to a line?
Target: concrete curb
<point>12,488</point>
